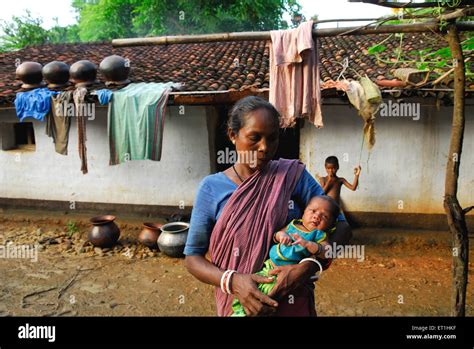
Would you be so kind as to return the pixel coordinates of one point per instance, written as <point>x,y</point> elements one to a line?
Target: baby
<point>302,238</point>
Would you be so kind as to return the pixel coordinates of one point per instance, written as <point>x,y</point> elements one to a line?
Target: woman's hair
<point>245,106</point>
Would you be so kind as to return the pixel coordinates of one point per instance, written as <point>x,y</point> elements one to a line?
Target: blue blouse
<point>212,195</point>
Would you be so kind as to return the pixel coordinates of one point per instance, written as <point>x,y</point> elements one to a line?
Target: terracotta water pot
<point>56,74</point>
<point>105,232</point>
<point>115,70</point>
<point>150,234</point>
<point>83,73</point>
<point>30,73</point>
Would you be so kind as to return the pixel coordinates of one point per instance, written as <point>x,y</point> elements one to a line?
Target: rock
<point>40,248</point>
<point>113,305</point>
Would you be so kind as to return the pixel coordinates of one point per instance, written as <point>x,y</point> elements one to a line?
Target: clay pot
<point>173,238</point>
<point>83,73</point>
<point>56,74</point>
<point>149,234</point>
<point>105,232</point>
<point>115,70</point>
<point>30,74</point>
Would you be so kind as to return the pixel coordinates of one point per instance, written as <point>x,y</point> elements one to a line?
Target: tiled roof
<point>217,66</point>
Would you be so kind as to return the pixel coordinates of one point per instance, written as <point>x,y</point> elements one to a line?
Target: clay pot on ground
<point>83,73</point>
<point>30,73</point>
<point>173,238</point>
<point>150,234</point>
<point>56,73</point>
<point>115,70</point>
<point>105,232</point>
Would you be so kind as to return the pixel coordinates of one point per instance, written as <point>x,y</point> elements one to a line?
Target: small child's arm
<point>354,185</point>
<point>282,237</point>
<point>315,248</point>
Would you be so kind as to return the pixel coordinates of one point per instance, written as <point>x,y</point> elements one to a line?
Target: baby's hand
<point>357,170</point>
<point>299,240</point>
<point>283,237</point>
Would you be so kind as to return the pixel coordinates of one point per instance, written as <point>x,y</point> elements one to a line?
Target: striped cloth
<point>243,233</point>
<point>136,119</point>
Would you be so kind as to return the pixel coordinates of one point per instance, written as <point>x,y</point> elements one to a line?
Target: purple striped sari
<point>243,233</point>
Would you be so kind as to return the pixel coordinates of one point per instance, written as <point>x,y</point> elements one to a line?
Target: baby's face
<point>317,215</point>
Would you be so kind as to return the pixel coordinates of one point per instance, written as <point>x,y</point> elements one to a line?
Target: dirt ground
<point>404,273</point>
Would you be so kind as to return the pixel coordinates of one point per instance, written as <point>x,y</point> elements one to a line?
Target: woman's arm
<point>290,277</point>
<point>243,286</point>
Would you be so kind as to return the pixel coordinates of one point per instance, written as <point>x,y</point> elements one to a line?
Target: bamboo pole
<point>454,212</point>
<point>265,35</point>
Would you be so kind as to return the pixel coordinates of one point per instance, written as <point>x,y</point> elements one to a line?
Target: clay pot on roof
<point>115,69</point>
<point>83,73</point>
<point>30,74</point>
<point>56,74</point>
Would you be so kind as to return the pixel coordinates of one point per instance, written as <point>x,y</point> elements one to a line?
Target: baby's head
<point>320,213</point>
<point>332,165</point>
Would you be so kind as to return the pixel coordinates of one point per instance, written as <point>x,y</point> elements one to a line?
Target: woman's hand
<point>244,287</point>
<point>289,277</point>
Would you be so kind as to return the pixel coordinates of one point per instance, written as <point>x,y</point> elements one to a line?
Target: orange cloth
<point>294,75</point>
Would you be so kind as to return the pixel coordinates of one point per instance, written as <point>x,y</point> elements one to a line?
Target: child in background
<point>332,183</point>
<point>302,238</point>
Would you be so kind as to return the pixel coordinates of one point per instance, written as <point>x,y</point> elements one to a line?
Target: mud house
<point>402,181</point>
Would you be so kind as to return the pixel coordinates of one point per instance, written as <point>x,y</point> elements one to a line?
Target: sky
<point>62,10</point>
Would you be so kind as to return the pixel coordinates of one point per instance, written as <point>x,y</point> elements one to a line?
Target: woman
<point>237,211</point>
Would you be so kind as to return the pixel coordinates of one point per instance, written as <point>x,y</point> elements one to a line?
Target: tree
<point>26,30</point>
<point>22,31</point>
<point>110,19</point>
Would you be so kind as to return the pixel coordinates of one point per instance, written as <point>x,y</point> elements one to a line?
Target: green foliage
<point>72,228</point>
<point>26,30</point>
<point>435,60</point>
<point>109,19</point>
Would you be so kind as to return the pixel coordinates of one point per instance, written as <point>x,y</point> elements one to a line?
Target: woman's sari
<point>243,233</point>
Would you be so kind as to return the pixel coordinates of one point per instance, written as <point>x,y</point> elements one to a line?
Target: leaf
<point>376,49</point>
<point>421,66</point>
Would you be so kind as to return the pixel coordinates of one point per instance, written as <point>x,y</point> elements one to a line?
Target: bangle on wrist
<point>314,261</point>
<point>225,281</point>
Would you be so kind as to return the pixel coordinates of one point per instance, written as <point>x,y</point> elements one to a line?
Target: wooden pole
<point>454,212</point>
<point>265,35</point>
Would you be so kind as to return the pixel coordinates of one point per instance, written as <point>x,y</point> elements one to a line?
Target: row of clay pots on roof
<point>82,73</point>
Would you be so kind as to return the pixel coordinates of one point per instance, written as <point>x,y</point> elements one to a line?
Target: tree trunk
<point>454,212</point>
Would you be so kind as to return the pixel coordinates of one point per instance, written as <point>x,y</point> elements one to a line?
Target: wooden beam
<point>265,35</point>
<point>454,212</point>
